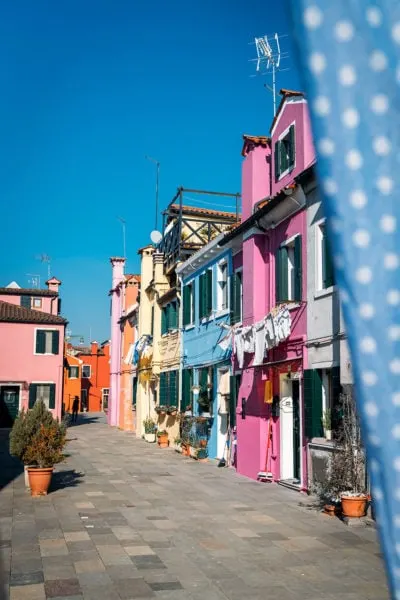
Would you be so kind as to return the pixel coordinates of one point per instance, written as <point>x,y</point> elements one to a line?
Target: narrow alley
<point>127,520</point>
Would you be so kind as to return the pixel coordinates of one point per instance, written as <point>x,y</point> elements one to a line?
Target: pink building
<point>117,304</point>
<point>273,229</point>
<point>31,349</point>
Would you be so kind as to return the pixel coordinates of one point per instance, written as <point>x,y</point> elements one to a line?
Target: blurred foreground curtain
<point>349,54</point>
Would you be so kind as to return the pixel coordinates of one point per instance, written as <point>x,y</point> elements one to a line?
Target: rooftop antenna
<point>269,56</point>
<point>34,280</point>
<point>156,162</point>
<point>45,258</point>
<point>123,223</point>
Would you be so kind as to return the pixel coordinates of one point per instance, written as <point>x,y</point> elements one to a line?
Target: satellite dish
<point>156,237</point>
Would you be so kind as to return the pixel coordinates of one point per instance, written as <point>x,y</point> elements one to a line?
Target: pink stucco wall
<point>19,364</point>
<point>49,303</point>
<point>115,344</point>
<point>256,179</point>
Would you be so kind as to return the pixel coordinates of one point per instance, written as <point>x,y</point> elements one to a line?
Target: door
<point>84,405</point>
<point>296,430</point>
<point>222,406</point>
<point>9,404</point>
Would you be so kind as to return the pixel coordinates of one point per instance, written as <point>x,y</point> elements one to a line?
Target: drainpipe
<point>180,287</point>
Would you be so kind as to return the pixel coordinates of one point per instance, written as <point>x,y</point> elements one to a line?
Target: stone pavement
<point>127,520</point>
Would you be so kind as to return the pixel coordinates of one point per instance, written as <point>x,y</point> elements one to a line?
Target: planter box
<point>150,437</point>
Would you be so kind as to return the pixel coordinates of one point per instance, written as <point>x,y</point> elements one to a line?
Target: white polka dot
<point>330,186</point>
<point>385,185</point>
<point>374,466</point>
<point>326,146</point>
<point>377,493</point>
<point>312,17</point>
<point>317,63</point>
<point>368,345</point>
<point>396,432</point>
<point>350,118</point>
<point>367,311</point>
<point>391,261</point>
<point>344,297</point>
<point>396,463</point>
<point>398,73</point>
<point>347,75</point>
<point>344,31</point>
<point>394,333</point>
<point>394,366</point>
<point>336,224</point>
<point>370,378</point>
<point>396,399</point>
<point>338,261</point>
<point>361,238</point>
<point>379,104</point>
<point>322,106</point>
<point>396,32</point>
<point>388,223</point>
<point>358,199</point>
<point>364,275</point>
<point>371,408</point>
<point>396,522</point>
<point>378,61</point>
<point>397,494</point>
<point>393,297</point>
<point>374,440</point>
<point>354,160</point>
<point>374,16</point>
<point>381,145</point>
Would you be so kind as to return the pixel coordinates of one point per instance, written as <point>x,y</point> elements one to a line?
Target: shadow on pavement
<point>65,479</point>
<point>88,419</point>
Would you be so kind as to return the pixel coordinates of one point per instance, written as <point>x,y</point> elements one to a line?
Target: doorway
<point>9,404</point>
<point>290,430</point>
<point>223,409</point>
<point>84,400</point>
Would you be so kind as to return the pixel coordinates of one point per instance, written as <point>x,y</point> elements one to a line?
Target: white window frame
<point>191,284</point>
<point>47,383</point>
<point>34,300</point>
<point>280,138</point>
<point>69,371</point>
<point>319,260</point>
<point>240,270</point>
<point>90,371</point>
<point>34,341</point>
<point>222,309</point>
<point>18,385</point>
<point>289,243</point>
<point>102,396</point>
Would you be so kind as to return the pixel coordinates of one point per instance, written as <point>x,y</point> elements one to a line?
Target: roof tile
<point>12,313</point>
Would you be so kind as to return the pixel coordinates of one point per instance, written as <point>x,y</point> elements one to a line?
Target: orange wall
<point>126,371</point>
<point>72,387</point>
<point>99,360</point>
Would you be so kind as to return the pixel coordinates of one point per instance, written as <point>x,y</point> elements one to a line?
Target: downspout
<point>180,287</point>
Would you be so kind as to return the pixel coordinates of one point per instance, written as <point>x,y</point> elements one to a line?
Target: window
<point>284,153</point>
<point>73,372</point>
<point>169,317</point>
<point>37,303</point>
<point>26,301</point>
<point>168,388</point>
<point>42,391</point>
<point>47,341</point>
<point>236,297</point>
<point>288,280</point>
<point>235,381</point>
<point>321,394</point>
<point>188,304</point>
<point>325,276</point>
<point>222,289</point>
<point>187,393</point>
<point>86,371</point>
<point>105,392</point>
<point>205,294</point>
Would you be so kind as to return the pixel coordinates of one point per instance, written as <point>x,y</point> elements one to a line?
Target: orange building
<point>72,380</point>
<point>128,324</point>
<point>95,375</point>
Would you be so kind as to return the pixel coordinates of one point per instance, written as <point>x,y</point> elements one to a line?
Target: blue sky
<point>89,88</point>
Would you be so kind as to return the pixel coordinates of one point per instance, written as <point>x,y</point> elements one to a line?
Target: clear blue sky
<point>91,86</point>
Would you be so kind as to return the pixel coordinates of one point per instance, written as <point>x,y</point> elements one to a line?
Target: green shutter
<point>162,392</point>
<point>203,295</point>
<point>186,385</point>
<point>313,403</point>
<point>336,413</point>
<point>203,378</point>
<point>173,388</point>
<point>172,315</point>
<point>32,394</point>
<point>26,301</point>
<point>55,342</point>
<point>209,292</point>
<point>281,274</point>
<point>276,160</point>
<point>236,297</point>
<point>134,391</point>
<point>163,320</point>
<point>52,395</point>
<point>297,269</point>
<point>187,299</point>
<point>292,147</point>
<point>232,400</point>
<point>40,341</point>
<point>328,266</point>
<point>283,157</point>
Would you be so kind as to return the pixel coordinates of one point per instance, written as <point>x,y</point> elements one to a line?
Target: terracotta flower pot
<point>203,443</point>
<point>330,509</point>
<point>354,506</point>
<point>163,441</point>
<point>39,480</point>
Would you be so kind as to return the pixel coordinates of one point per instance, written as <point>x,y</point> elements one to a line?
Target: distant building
<point>72,380</point>
<point>95,375</point>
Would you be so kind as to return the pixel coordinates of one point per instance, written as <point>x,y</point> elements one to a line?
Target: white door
<point>223,403</point>
<point>286,418</point>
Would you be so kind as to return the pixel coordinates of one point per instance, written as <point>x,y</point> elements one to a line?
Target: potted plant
<point>150,429</point>
<point>172,410</point>
<point>161,409</point>
<point>178,444</point>
<point>346,480</point>
<point>162,438</point>
<point>204,402</point>
<point>188,411</point>
<point>327,424</point>
<point>42,453</point>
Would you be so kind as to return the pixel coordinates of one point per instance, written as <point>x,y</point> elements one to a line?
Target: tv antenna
<point>69,336</point>
<point>156,162</point>
<point>123,223</point>
<point>45,258</point>
<point>34,280</point>
<point>269,58</point>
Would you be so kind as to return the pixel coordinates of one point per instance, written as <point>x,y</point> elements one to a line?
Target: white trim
<point>290,240</point>
<point>285,131</point>
<point>69,370</point>
<point>45,382</point>
<point>326,292</point>
<point>328,364</point>
<point>219,265</point>
<point>292,100</point>
<point>33,302</point>
<point>90,367</point>
<point>34,341</point>
<point>19,385</point>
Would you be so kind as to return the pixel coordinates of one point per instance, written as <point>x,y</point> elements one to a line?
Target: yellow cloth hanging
<point>268,398</point>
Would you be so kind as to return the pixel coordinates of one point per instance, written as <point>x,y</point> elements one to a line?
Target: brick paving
<point>127,520</point>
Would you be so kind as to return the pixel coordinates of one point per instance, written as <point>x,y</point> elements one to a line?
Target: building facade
<point>72,380</point>
<point>95,375</point>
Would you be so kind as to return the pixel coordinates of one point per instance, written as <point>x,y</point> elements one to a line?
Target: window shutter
<point>232,400</point>
<point>55,342</point>
<point>328,266</point>
<point>172,316</point>
<point>281,274</point>
<point>203,378</point>
<point>336,407</point>
<point>277,151</point>
<point>297,272</point>
<point>236,296</point>
<point>162,396</point>
<point>313,403</point>
<point>173,389</point>
<point>163,320</point>
<point>186,304</point>
<point>32,394</point>
<point>209,291</point>
<point>40,341</point>
<point>59,306</point>
<point>134,391</point>
<point>26,301</point>
<point>186,385</point>
<point>52,395</point>
<point>292,147</point>
<point>201,296</point>
<point>283,156</point>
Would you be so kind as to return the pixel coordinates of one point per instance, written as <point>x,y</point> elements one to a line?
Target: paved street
<point>127,520</point>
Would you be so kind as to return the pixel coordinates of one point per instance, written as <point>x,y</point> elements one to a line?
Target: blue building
<point>209,299</point>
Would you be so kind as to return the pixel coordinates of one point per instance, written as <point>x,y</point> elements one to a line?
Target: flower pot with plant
<point>150,429</point>
<point>162,439</point>
<point>161,409</point>
<point>327,424</point>
<point>172,411</point>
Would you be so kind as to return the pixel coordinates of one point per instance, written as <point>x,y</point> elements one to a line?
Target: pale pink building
<point>117,303</point>
<point>31,349</point>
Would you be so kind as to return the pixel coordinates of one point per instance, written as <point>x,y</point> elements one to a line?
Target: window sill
<point>322,443</point>
<point>45,354</point>
<point>189,327</point>
<point>325,292</point>
<point>221,313</point>
<point>286,172</point>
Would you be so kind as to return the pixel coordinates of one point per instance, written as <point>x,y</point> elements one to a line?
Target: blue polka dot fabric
<point>349,52</point>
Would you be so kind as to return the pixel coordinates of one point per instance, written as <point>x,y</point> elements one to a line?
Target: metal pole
<point>274,87</point>
<point>157,182</point>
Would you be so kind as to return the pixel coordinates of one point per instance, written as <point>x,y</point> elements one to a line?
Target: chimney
<point>118,267</point>
<point>53,284</point>
<point>94,347</point>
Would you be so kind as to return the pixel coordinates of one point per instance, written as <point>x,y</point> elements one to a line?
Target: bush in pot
<point>42,453</point>
<point>150,429</point>
<point>162,438</point>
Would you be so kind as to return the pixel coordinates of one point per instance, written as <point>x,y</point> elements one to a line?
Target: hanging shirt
<point>248,339</point>
<point>259,337</point>
<point>239,346</point>
<point>270,338</point>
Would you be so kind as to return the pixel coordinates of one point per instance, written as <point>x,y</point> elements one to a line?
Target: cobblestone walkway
<point>126,520</point>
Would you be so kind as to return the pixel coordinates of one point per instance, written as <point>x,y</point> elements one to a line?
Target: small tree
<point>26,426</point>
<point>45,448</point>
